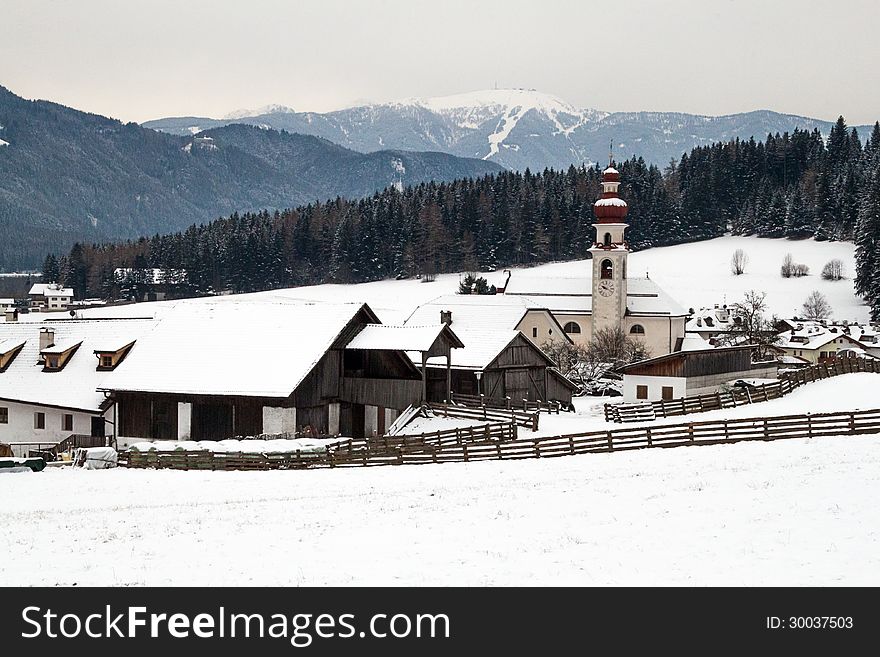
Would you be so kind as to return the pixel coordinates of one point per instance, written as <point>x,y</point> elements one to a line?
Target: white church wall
<point>661,333</point>
<point>582,320</point>
<point>539,327</point>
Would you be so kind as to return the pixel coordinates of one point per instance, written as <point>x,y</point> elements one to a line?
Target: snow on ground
<point>695,275</point>
<point>793,512</point>
<point>847,392</point>
<point>698,274</point>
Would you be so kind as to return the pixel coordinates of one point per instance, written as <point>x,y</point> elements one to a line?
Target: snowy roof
<point>409,338</point>
<point>112,344</point>
<point>62,346</point>
<point>617,202</point>
<point>611,170</point>
<point>554,285</point>
<point>482,346</point>
<point>51,290</point>
<point>10,344</point>
<point>643,295</point>
<point>75,386</point>
<point>7,302</point>
<point>246,348</point>
<point>498,312</point>
<point>812,338</point>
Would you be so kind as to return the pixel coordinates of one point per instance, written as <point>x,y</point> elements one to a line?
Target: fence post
<point>610,444</point>
<point>466,452</point>
<point>537,449</point>
<point>726,431</point>
<point>852,422</point>
<point>648,434</point>
<point>718,399</point>
<point>809,426</point>
<point>571,444</point>
<point>766,430</point>
<point>691,431</point>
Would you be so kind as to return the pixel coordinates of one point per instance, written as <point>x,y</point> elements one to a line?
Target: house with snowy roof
<point>611,299</point>
<point>6,305</point>
<point>50,373</point>
<point>215,370</point>
<point>50,296</point>
<point>500,357</point>
<point>816,343</point>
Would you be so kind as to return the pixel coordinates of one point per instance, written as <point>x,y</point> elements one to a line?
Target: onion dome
<point>610,209</point>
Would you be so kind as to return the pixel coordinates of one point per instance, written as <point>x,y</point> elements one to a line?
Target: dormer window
<point>8,351</point>
<point>109,358</point>
<point>57,355</point>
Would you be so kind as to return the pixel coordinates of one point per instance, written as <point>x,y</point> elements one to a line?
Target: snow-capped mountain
<point>517,128</point>
<point>265,109</point>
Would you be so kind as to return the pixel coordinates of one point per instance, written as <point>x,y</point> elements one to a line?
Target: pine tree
<point>867,239</point>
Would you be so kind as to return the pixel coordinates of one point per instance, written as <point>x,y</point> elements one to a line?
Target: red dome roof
<point>610,209</point>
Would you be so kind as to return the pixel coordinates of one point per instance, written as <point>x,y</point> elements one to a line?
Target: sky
<point>137,60</point>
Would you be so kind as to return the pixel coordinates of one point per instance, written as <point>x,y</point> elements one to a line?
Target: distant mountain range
<point>516,128</point>
<point>66,175</point>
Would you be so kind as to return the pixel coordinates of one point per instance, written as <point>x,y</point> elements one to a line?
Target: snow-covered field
<point>793,512</point>
<point>695,275</point>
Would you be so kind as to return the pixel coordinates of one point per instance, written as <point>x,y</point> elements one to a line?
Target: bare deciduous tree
<point>833,270</point>
<point>738,262</point>
<point>791,268</point>
<point>608,350</point>
<point>750,326</point>
<point>816,306</point>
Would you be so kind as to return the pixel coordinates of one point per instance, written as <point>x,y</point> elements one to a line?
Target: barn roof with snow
<point>73,384</point>
<point>248,348</point>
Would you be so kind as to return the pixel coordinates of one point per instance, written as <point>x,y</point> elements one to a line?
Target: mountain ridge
<point>517,128</point>
<point>67,175</point>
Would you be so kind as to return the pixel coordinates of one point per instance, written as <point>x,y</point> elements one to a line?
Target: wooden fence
<point>342,453</point>
<point>522,418</point>
<point>481,401</point>
<point>500,445</point>
<point>788,381</point>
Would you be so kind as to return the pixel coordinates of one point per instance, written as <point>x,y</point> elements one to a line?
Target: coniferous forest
<point>795,185</point>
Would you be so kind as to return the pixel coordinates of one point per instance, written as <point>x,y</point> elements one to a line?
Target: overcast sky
<point>142,59</point>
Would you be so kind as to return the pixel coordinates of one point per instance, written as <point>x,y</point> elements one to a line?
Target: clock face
<point>606,288</point>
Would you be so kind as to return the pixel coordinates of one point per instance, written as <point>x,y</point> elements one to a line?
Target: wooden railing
<point>528,419</point>
<point>481,401</point>
<point>369,451</point>
<point>713,432</point>
<point>788,381</point>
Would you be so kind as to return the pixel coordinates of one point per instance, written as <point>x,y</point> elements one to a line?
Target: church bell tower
<point>609,255</point>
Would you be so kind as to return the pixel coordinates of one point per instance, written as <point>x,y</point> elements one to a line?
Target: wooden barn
<point>690,373</point>
<point>214,371</point>
<point>499,364</point>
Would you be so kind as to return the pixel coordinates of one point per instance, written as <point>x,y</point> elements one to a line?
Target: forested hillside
<point>793,186</point>
<point>68,176</point>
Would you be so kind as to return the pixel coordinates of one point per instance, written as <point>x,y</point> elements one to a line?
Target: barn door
<point>517,384</point>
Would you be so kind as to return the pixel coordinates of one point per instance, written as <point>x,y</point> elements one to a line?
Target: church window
<point>607,240</point>
<point>637,329</point>
<point>572,327</point>
<point>607,270</point>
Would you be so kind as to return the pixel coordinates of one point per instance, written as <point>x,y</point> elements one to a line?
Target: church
<point>612,299</point>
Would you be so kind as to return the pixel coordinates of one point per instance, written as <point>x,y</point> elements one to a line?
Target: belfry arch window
<point>572,327</point>
<point>607,269</point>
<point>638,329</point>
<point>607,239</point>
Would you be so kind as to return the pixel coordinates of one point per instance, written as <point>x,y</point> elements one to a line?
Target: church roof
<point>574,295</point>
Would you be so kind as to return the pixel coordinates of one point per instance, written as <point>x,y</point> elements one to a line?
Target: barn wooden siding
<point>695,363</point>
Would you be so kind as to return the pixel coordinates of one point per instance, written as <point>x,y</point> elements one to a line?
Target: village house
<point>50,373</point>
<point>47,297</point>
<point>6,305</point>
<point>244,368</point>
<point>611,299</point>
<point>691,373</point>
<point>815,342</point>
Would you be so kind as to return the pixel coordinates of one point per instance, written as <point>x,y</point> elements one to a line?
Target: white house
<point>6,304</point>
<point>50,373</point>
<point>50,296</point>
<point>691,373</point>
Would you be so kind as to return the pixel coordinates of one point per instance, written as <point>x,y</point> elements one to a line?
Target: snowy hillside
<point>790,512</point>
<point>517,128</point>
<point>695,275</point>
